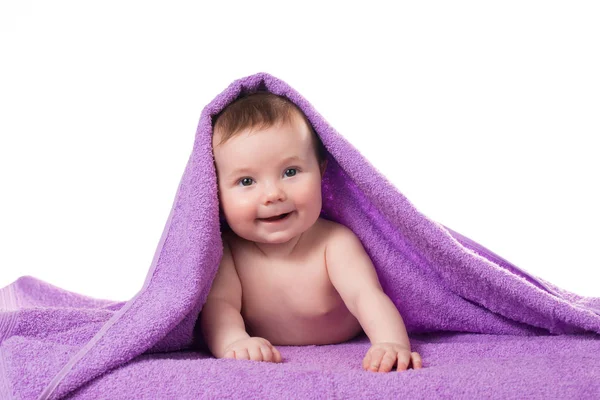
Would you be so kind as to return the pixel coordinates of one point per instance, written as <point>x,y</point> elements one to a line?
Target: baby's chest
<point>303,288</point>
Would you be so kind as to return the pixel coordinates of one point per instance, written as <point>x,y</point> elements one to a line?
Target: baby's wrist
<point>399,343</point>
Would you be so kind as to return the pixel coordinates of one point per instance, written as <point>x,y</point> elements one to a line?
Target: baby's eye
<point>249,180</point>
<point>291,169</point>
<point>245,180</point>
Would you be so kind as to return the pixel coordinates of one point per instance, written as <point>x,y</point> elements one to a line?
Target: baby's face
<point>267,173</point>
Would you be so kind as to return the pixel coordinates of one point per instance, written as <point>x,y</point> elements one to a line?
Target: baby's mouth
<point>276,218</point>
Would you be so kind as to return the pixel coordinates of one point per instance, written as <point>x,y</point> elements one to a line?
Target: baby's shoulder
<point>334,231</point>
<point>341,237</point>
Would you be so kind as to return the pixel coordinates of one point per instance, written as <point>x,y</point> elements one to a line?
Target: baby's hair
<point>261,110</point>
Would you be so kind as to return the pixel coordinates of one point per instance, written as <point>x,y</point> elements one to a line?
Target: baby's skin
<point>303,280</point>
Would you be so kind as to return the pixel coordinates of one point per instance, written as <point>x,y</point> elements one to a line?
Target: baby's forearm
<point>380,318</point>
<point>221,325</point>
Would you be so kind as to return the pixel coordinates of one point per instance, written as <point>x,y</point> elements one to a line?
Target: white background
<point>484,114</point>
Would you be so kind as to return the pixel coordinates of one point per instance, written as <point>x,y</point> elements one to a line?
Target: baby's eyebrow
<point>246,169</point>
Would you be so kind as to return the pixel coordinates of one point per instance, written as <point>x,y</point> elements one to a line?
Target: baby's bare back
<point>292,301</point>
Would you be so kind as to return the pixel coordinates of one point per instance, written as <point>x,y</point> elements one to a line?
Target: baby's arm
<point>222,324</point>
<point>352,273</point>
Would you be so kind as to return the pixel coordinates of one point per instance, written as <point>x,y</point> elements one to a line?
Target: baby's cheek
<point>310,200</point>
<point>238,209</point>
<point>228,208</point>
<point>307,194</point>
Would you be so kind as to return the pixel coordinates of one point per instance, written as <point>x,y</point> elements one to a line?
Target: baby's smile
<point>276,219</point>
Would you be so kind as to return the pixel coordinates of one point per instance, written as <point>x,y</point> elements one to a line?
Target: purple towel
<point>483,327</point>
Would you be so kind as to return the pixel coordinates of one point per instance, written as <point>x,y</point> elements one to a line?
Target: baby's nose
<point>274,192</point>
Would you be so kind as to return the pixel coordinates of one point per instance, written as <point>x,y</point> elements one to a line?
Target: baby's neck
<point>279,250</point>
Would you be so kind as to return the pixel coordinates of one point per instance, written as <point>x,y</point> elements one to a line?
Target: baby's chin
<point>276,237</point>
<point>273,237</point>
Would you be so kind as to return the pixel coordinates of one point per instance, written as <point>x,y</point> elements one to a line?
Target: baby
<point>287,276</point>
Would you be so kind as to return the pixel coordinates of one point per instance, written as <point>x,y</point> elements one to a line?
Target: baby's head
<point>269,161</point>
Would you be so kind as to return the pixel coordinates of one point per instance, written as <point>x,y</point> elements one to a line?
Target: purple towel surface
<point>484,327</point>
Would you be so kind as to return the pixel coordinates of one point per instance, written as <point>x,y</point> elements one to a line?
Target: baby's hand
<point>253,348</point>
<point>381,357</point>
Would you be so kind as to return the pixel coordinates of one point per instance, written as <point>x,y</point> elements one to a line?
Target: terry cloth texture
<point>484,327</point>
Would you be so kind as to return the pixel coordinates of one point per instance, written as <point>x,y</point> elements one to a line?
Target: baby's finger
<point>417,362</point>
<point>403,361</point>
<point>276,354</point>
<point>387,362</point>
<point>255,353</point>
<point>267,354</point>
<point>242,354</point>
<point>229,354</point>
<point>367,361</point>
<point>376,357</point>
